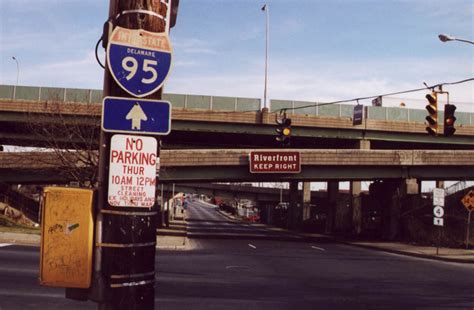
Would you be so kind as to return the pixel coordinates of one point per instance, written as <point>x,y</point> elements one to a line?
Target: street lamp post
<point>446,38</point>
<point>17,75</point>
<point>267,17</point>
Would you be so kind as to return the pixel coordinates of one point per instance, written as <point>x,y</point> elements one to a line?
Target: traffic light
<point>432,117</point>
<point>283,130</point>
<point>449,119</point>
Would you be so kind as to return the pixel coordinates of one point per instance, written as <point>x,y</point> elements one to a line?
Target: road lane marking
<point>237,267</point>
<point>317,248</point>
<point>4,244</point>
<point>252,246</point>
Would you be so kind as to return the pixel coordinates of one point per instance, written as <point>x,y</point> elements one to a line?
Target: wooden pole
<point>124,270</point>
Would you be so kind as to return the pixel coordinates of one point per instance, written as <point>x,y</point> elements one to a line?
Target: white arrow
<point>137,115</point>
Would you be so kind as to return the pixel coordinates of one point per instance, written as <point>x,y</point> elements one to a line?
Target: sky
<point>318,50</point>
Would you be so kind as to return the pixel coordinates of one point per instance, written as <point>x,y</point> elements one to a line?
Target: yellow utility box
<point>67,233</point>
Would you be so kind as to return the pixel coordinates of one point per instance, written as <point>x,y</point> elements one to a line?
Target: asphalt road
<point>264,273</point>
<point>203,221</point>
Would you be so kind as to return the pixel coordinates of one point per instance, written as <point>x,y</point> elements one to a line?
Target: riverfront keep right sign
<point>274,162</point>
<point>132,171</point>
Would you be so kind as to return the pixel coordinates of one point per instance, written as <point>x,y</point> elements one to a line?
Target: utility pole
<point>124,268</point>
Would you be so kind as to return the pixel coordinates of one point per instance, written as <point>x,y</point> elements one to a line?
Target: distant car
<point>255,218</point>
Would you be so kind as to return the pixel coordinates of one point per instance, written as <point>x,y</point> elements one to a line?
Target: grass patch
<point>7,225</point>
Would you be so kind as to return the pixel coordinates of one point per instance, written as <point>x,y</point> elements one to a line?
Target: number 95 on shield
<point>139,60</point>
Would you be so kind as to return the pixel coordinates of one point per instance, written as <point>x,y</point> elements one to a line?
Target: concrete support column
<point>393,198</point>
<point>165,207</point>
<point>332,192</point>
<point>356,208</point>
<point>412,186</point>
<point>355,190</point>
<point>306,201</point>
<point>293,206</point>
<point>270,210</point>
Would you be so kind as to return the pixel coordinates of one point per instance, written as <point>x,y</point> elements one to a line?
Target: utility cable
<point>376,96</point>
<point>96,53</point>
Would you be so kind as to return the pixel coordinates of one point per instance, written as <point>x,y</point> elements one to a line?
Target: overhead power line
<point>432,87</point>
<point>376,96</point>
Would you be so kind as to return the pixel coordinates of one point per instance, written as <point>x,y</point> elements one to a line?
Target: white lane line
<point>4,244</point>
<point>252,246</point>
<point>317,248</point>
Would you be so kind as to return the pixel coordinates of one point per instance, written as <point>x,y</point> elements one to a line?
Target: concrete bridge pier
<point>306,214</point>
<point>356,206</point>
<point>268,213</point>
<point>392,195</point>
<point>400,200</point>
<point>332,209</point>
<point>356,200</point>
<point>293,206</point>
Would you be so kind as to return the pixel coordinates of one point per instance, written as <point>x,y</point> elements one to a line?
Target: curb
<point>419,255</point>
<point>227,215</point>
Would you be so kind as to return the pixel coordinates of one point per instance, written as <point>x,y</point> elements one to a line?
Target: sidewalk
<point>445,254</point>
<point>174,237</point>
<point>163,242</point>
<point>168,238</point>
<point>20,238</point>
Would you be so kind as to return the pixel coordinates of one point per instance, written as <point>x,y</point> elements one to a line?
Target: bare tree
<point>70,131</point>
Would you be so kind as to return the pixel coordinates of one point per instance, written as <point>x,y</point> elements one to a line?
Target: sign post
<point>438,211</point>
<point>138,62</point>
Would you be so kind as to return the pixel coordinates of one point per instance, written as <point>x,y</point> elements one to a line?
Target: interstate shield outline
<point>139,60</point>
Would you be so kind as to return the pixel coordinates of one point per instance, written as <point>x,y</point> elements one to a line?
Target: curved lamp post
<point>17,75</point>
<point>265,8</point>
<point>446,38</point>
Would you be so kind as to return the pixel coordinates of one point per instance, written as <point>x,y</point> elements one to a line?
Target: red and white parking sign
<point>132,171</point>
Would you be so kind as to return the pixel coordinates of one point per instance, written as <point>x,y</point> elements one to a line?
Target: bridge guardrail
<point>373,113</point>
<point>219,103</point>
<point>95,96</point>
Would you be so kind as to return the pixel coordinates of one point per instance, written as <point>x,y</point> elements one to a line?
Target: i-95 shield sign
<point>139,60</point>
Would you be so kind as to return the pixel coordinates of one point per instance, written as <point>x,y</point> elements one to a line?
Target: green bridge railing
<point>219,103</point>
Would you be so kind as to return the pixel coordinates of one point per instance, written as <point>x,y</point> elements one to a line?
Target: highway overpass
<point>232,165</point>
<point>223,122</point>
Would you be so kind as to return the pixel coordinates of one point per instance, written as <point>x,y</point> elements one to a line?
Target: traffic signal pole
<point>124,265</point>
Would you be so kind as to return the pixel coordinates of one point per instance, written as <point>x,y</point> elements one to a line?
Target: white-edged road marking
<point>4,244</point>
<point>317,248</point>
<point>252,246</point>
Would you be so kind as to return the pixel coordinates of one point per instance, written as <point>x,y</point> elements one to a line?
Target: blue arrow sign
<point>128,115</point>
